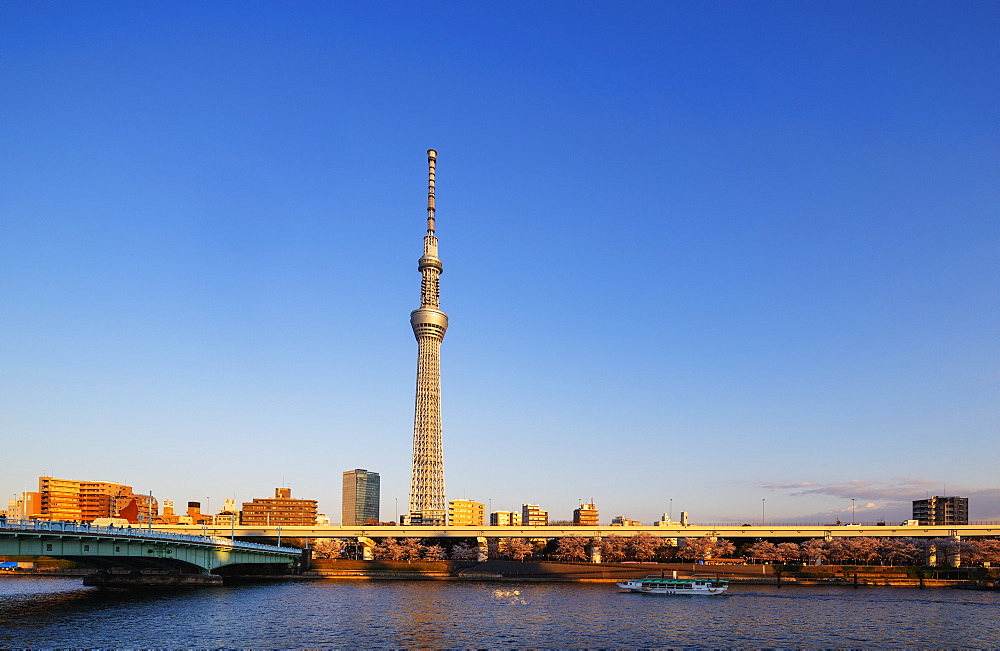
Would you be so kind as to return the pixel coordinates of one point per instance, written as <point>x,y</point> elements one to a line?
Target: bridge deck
<point>792,530</point>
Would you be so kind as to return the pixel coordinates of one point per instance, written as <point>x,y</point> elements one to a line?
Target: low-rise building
<point>664,521</point>
<point>505,519</point>
<point>24,506</point>
<point>622,521</point>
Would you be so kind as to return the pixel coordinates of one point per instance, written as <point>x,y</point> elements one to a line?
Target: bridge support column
<point>595,550</point>
<point>482,549</point>
<point>932,555</point>
<point>955,558</point>
<point>367,547</point>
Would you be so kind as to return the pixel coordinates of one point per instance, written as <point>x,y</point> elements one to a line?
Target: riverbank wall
<point>840,575</point>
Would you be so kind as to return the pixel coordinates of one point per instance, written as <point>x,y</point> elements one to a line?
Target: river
<point>57,612</point>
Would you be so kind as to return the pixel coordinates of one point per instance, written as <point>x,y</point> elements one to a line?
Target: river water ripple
<point>50,612</point>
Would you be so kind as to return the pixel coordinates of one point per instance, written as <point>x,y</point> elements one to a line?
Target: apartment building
<point>586,515</point>
<point>466,513</point>
<point>941,510</point>
<point>280,510</point>
<point>72,500</point>
<point>505,519</point>
<point>533,516</point>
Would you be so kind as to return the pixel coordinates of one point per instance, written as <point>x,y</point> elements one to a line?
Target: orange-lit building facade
<point>586,516</point>
<point>71,500</point>
<point>280,510</point>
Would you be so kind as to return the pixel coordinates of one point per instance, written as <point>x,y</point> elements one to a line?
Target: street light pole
<point>762,511</point>
<point>852,510</point>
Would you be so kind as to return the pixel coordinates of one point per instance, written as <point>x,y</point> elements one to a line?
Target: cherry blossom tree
<point>516,548</point>
<point>814,550</point>
<point>434,552</point>
<point>463,552</point>
<point>328,548</point>
<point>571,548</point>
<point>642,546</point>
<point>981,550</point>
<point>788,552</point>
<point>705,548</point>
<point>900,551</point>
<point>411,549</point>
<point>763,550</point>
<point>723,548</point>
<point>613,548</point>
<point>388,549</point>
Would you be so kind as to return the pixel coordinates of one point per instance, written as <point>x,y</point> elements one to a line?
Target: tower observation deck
<point>429,323</point>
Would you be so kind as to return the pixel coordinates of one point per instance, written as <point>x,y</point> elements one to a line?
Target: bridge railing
<point>57,526</point>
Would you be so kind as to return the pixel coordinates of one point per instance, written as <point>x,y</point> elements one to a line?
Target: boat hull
<point>684,588</point>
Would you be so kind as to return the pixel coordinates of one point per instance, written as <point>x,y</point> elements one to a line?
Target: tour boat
<point>659,585</point>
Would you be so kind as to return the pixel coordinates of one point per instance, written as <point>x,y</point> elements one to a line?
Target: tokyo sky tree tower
<point>429,323</point>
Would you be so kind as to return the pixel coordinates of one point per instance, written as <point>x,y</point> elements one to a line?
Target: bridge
<point>150,556</point>
<point>367,536</point>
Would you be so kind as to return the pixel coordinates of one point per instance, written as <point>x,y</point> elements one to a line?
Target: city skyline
<point>753,243</point>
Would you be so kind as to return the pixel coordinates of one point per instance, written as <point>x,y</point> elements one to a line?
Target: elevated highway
<point>729,531</point>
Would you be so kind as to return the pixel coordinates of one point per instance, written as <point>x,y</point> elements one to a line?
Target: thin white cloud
<point>902,489</point>
<point>891,497</point>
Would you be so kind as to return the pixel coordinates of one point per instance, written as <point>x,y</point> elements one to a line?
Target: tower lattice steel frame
<point>429,323</point>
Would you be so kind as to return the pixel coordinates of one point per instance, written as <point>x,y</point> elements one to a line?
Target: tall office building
<point>941,510</point>
<point>360,498</point>
<point>429,323</point>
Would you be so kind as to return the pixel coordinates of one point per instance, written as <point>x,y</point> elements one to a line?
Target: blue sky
<point>697,255</point>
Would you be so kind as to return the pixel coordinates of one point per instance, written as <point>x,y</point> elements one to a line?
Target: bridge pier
<point>482,549</point>
<point>367,548</point>
<point>595,549</point>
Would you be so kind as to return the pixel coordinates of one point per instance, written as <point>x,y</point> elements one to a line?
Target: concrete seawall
<point>612,572</point>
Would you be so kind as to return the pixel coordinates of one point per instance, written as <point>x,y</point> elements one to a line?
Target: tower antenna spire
<point>431,171</point>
